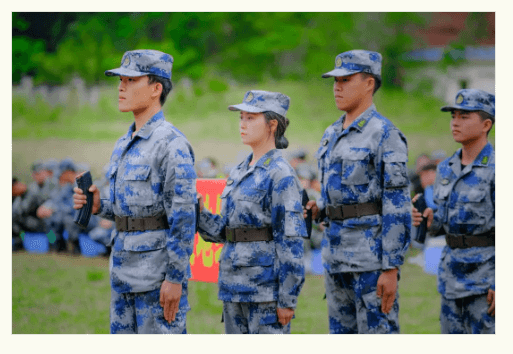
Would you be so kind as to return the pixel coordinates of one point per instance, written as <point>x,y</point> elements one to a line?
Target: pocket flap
<point>354,155</point>
<point>147,241</point>
<point>473,195</point>
<point>137,173</point>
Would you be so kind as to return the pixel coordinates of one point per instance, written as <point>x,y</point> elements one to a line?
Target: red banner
<point>205,255</point>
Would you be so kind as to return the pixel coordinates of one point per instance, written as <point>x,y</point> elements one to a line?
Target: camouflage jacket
<point>151,175</point>
<point>466,206</point>
<point>267,194</point>
<point>365,163</point>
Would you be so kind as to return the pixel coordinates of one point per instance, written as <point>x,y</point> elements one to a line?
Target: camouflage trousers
<point>252,318</point>
<point>467,315</point>
<point>142,313</point>
<point>354,307</point>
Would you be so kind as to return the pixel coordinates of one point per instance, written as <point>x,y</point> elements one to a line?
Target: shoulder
<point>279,169</point>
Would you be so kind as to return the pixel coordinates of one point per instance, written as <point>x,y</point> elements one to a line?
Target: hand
<point>491,301</point>
<point>79,198</point>
<point>311,205</point>
<point>387,288</point>
<point>44,212</point>
<point>285,315</point>
<point>416,216</point>
<point>170,294</point>
<point>200,201</point>
<point>106,224</point>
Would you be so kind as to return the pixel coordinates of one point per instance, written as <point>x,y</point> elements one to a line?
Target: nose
<point>121,86</point>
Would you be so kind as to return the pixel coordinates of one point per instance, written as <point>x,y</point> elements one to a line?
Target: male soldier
<point>464,193</point>
<point>152,200</point>
<point>364,201</point>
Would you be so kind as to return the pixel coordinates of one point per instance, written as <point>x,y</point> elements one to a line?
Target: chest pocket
<point>471,208</point>
<point>355,167</point>
<point>248,202</point>
<point>138,189</point>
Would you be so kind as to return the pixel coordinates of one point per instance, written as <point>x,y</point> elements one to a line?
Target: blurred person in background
<point>414,175</point>
<point>297,157</point>
<point>464,193</point>
<point>365,202</point>
<point>207,168</point>
<point>438,156</point>
<point>151,198</point>
<point>25,206</point>
<point>261,270</point>
<point>18,190</point>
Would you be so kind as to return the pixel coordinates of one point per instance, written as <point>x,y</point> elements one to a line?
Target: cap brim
<point>339,72</point>
<point>452,108</point>
<point>124,72</point>
<point>245,107</point>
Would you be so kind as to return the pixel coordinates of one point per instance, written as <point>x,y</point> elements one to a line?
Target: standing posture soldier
<point>464,193</point>
<point>152,200</point>
<point>364,202</point>
<point>261,268</point>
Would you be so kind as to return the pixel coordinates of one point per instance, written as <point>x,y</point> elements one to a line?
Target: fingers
<point>284,315</point>
<point>490,298</point>
<point>387,302</point>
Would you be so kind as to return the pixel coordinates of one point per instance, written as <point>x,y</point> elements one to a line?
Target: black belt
<point>249,235</point>
<point>126,223</point>
<point>341,212</point>
<point>486,239</point>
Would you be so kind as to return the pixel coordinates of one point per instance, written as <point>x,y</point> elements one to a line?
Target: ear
<point>273,124</point>
<point>487,125</point>
<point>370,82</point>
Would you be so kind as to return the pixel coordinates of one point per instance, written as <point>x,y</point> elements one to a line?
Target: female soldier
<point>261,268</point>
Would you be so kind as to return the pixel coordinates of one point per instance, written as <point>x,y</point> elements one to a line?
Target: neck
<point>143,115</point>
<point>261,149</point>
<point>470,150</point>
<point>352,114</point>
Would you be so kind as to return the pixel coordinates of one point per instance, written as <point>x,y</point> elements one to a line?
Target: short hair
<point>279,136</point>
<point>377,81</point>
<point>484,116</point>
<point>167,86</point>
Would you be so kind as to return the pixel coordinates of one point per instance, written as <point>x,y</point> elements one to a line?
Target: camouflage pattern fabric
<point>354,307</point>
<point>473,100</point>
<point>144,62</point>
<point>356,61</point>
<point>263,195</point>
<point>151,175</point>
<point>466,315</point>
<point>365,163</point>
<point>466,206</point>
<point>141,313</point>
<point>252,318</point>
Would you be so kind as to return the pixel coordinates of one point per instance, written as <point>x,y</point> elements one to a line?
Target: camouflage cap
<point>473,100</point>
<point>51,164</point>
<point>38,166</point>
<point>356,61</point>
<point>262,101</point>
<point>67,165</point>
<point>144,62</point>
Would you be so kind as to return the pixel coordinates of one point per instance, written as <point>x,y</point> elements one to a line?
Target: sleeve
<point>106,210</point>
<point>441,207</point>
<point>288,231</point>
<point>179,192</point>
<point>212,226</point>
<point>396,202</point>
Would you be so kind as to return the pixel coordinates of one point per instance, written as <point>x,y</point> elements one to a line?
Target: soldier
<point>261,268</point>
<point>364,201</point>
<point>152,200</point>
<point>58,211</point>
<point>25,206</point>
<point>464,193</point>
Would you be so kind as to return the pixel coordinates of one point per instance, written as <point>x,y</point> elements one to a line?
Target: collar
<point>359,122</point>
<point>148,128</point>
<point>264,161</point>
<point>484,157</point>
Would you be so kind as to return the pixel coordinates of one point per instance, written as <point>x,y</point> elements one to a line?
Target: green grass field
<point>55,293</point>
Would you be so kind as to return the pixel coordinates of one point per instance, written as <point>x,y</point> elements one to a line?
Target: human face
<point>467,126</point>
<point>254,129</point>
<point>135,94</point>
<point>349,92</point>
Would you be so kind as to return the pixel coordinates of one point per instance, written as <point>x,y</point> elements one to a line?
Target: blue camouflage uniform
<point>256,278</point>
<point>150,175</point>
<point>364,163</point>
<point>465,198</point>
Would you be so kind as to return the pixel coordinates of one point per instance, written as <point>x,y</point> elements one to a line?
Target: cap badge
<point>338,62</point>
<point>249,97</point>
<point>459,99</point>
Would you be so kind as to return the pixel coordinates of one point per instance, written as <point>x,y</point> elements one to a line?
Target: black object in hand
<point>308,219</point>
<point>421,205</point>
<point>83,215</point>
